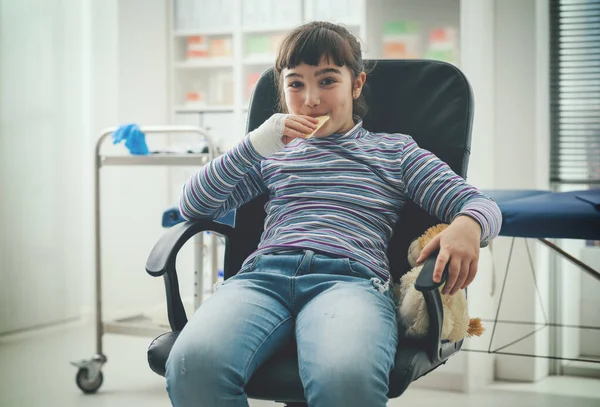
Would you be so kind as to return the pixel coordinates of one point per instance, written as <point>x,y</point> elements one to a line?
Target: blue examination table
<point>550,215</point>
<point>545,214</point>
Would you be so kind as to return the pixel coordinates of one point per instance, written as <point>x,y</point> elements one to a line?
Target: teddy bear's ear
<point>431,233</point>
<point>414,250</point>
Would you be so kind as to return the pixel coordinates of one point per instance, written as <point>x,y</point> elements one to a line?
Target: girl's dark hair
<point>309,43</point>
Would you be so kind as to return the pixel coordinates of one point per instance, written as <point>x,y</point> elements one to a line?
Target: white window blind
<point>575,91</point>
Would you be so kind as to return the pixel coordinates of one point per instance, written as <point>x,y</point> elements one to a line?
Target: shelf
<point>138,325</point>
<point>287,27</point>
<point>353,24</point>
<point>255,33</point>
<point>269,29</point>
<point>204,109</point>
<point>184,160</point>
<point>259,61</point>
<point>220,31</point>
<point>205,63</point>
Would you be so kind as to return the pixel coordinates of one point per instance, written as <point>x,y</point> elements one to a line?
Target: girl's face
<point>326,89</point>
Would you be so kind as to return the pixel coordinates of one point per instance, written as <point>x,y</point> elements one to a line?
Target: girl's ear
<point>359,82</point>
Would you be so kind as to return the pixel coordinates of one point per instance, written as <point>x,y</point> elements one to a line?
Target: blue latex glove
<point>135,140</point>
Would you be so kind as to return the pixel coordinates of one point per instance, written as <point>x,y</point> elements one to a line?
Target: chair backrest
<point>431,101</point>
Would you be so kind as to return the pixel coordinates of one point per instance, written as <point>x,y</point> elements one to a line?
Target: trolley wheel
<point>85,384</point>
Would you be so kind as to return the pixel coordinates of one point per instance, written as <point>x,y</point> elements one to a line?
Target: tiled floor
<point>35,371</point>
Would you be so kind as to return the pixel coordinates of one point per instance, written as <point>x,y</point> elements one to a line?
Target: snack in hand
<point>322,120</point>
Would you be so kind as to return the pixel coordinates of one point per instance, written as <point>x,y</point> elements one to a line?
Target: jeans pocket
<point>358,269</point>
<point>251,265</point>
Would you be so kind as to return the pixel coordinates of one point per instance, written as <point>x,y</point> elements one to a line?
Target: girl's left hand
<point>459,245</point>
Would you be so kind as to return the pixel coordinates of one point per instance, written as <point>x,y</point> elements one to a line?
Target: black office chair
<point>431,101</point>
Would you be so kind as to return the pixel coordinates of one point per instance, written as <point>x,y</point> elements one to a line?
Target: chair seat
<point>279,379</point>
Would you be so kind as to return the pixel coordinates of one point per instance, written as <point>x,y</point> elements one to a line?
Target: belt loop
<point>309,259</point>
<point>305,263</point>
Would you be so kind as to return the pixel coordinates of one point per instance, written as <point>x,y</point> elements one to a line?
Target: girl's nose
<point>312,98</point>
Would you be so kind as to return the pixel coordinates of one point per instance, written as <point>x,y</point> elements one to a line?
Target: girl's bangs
<point>310,47</point>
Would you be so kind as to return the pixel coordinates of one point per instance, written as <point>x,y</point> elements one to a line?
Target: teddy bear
<point>412,311</point>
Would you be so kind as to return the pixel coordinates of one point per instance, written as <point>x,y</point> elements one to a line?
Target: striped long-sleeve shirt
<point>337,195</point>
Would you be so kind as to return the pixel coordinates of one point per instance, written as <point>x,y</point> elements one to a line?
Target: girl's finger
<point>305,120</point>
<point>472,273</point>
<point>453,273</point>
<point>309,119</point>
<point>295,125</point>
<point>428,249</point>
<point>440,264</point>
<point>464,274</point>
<point>293,133</point>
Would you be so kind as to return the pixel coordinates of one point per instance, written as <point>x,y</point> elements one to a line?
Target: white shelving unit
<point>236,40</point>
<point>212,77</point>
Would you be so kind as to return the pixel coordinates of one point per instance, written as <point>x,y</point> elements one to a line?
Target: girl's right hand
<point>297,126</point>
<point>278,130</point>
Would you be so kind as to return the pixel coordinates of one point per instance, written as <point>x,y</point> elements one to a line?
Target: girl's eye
<point>327,81</point>
<point>295,84</point>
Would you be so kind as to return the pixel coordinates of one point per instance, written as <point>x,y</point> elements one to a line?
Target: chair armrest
<point>438,350</point>
<point>162,260</point>
<point>425,278</point>
<point>164,252</point>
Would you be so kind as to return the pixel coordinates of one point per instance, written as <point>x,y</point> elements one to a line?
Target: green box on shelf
<point>258,44</point>
<point>446,55</point>
<point>400,28</point>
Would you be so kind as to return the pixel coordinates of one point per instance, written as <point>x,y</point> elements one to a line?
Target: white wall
<point>520,156</point>
<point>129,85</point>
<point>41,126</point>
<point>477,34</point>
<point>101,64</point>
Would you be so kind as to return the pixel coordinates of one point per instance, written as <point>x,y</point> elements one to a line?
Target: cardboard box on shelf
<point>197,47</point>
<point>401,39</point>
<point>443,45</point>
<point>193,92</point>
<point>195,98</point>
<point>220,47</point>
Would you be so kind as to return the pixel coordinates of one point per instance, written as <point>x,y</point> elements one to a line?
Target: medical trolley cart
<point>89,376</point>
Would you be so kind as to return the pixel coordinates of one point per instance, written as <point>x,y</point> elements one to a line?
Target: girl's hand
<point>298,127</point>
<point>278,130</point>
<point>459,245</point>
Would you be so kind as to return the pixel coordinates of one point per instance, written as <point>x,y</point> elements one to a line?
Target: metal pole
<point>572,259</point>
<point>98,243</point>
<point>198,269</point>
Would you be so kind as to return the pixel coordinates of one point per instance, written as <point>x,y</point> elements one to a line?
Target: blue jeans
<point>342,316</point>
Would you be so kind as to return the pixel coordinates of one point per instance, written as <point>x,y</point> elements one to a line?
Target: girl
<point>320,273</point>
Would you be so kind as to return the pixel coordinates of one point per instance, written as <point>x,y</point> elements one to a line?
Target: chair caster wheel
<point>87,384</point>
<point>89,378</point>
